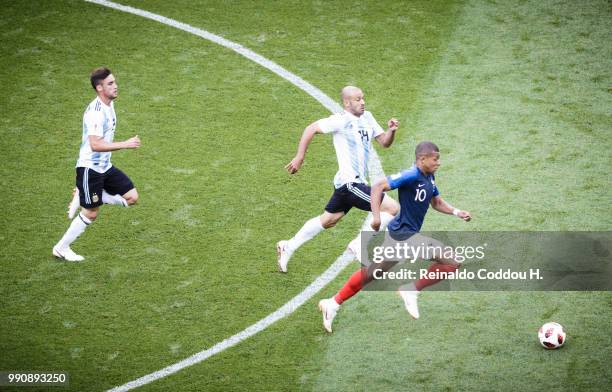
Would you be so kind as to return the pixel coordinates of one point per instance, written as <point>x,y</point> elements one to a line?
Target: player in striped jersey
<point>97,180</point>
<point>353,131</point>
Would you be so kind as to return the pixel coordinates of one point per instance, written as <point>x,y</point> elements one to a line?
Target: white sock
<point>107,198</point>
<point>310,229</point>
<point>385,218</point>
<point>77,227</point>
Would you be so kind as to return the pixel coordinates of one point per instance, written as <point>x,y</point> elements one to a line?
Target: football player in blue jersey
<point>417,190</point>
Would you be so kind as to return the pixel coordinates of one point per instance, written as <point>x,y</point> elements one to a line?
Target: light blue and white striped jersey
<point>353,143</point>
<point>99,120</point>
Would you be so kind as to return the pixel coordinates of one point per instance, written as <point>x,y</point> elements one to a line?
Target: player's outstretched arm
<point>442,206</point>
<point>295,164</point>
<point>100,145</point>
<point>386,139</point>
<point>376,200</point>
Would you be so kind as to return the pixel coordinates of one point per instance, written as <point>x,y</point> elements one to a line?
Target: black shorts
<point>91,183</point>
<point>349,195</point>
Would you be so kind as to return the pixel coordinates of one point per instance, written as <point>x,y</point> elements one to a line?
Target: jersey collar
<point>351,115</point>
<point>420,171</point>
<point>99,100</point>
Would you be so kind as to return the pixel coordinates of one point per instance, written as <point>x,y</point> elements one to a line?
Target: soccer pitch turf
<point>517,94</point>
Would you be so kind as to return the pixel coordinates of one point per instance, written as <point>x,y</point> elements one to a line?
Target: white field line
<point>249,54</point>
<point>323,279</point>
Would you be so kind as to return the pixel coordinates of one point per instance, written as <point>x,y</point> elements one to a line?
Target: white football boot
<point>66,254</point>
<point>74,204</point>
<point>410,298</point>
<point>328,308</point>
<point>284,254</point>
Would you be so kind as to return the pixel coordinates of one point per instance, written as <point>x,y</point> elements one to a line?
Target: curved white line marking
<point>317,94</point>
<point>259,326</point>
<point>323,279</point>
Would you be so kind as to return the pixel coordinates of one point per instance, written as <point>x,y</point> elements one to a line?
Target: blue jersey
<point>415,191</point>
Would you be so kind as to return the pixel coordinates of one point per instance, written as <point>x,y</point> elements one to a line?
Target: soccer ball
<point>551,335</point>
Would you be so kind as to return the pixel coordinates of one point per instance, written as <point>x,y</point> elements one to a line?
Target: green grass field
<point>517,94</point>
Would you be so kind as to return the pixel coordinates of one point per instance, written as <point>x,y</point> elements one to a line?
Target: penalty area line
<point>322,280</point>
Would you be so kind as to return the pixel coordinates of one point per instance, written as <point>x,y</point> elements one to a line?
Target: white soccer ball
<point>551,335</point>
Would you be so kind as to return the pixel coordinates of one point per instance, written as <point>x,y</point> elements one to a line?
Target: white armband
<point>456,211</point>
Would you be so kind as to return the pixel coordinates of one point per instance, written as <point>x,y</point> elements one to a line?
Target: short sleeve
<point>402,178</point>
<point>330,124</point>
<point>94,123</point>
<point>436,192</point>
<point>375,126</point>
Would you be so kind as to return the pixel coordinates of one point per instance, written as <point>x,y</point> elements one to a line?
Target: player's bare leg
<point>131,196</point>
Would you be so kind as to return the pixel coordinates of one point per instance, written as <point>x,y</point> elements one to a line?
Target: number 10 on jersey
<point>420,194</point>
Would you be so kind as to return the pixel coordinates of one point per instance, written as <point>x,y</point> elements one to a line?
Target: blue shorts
<point>91,183</point>
<point>349,195</point>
